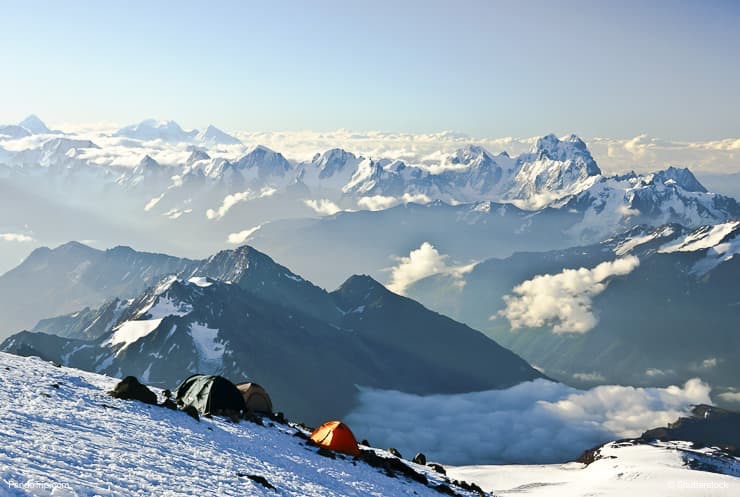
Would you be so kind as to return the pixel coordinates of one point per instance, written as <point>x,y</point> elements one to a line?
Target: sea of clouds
<point>534,422</point>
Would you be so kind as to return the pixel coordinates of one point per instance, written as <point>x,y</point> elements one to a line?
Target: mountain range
<point>155,185</point>
<point>240,314</point>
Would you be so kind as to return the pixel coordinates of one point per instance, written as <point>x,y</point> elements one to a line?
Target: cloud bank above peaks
<point>642,153</point>
<point>563,300</point>
<point>534,422</point>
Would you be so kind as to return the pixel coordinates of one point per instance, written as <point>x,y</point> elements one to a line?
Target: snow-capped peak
<point>215,136</point>
<point>152,129</point>
<point>681,177</point>
<point>571,148</point>
<point>554,170</point>
<point>197,155</point>
<point>147,163</point>
<point>35,125</point>
<point>332,158</point>
<point>473,155</point>
<point>265,161</point>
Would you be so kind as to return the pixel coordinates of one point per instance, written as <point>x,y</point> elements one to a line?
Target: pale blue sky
<point>597,68</point>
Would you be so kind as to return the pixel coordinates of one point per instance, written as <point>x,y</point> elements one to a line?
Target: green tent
<point>210,394</point>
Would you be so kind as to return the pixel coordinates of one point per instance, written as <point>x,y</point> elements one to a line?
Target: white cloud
<point>242,236</point>
<point>236,198</point>
<point>323,206</point>
<point>421,263</point>
<point>176,213</point>
<point>709,363</point>
<point>627,212</point>
<point>153,202</point>
<point>377,202</point>
<point>380,202</point>
<point>655,372</point>
<point>533,422</point>
<point>592,377</point>
<point>228,202</point>
<point>732,396</point>
<point>563,300</point>
<point>417,198</point>
<point>15,237</point>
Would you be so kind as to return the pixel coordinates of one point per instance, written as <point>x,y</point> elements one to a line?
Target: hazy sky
<point>486,68</point>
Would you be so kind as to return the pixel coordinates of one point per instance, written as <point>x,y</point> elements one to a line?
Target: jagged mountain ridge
<point>552,173</point>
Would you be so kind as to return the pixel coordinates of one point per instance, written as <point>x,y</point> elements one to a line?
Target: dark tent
<point>210,394</point>
<point>256,398</point>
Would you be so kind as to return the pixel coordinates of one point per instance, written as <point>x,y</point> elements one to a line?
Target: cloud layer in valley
<point>563,300</point>
<point>533,422</point>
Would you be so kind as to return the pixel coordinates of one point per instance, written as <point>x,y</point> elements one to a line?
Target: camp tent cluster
<point>211,394</point>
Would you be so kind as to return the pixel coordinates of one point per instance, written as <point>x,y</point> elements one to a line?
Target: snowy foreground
<point>62,435</point>
<point>73,439</point>
<point>623,470</point>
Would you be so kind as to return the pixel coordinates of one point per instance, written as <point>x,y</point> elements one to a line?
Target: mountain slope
<point>86,442</point>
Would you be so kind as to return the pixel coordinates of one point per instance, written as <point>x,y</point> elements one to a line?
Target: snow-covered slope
<point>659,469</point>
<point>63,436</point>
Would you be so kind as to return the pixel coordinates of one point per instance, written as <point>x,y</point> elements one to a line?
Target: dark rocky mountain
<point>242,315</point>
<point>72,276</point>
<point>707,426</point>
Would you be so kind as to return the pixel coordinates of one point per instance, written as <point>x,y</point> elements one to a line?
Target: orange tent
<point>337,436</point>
